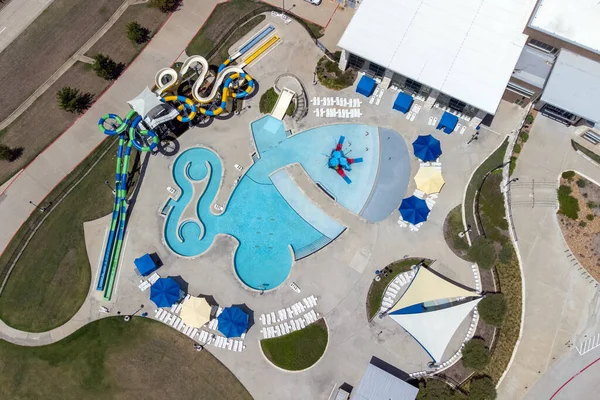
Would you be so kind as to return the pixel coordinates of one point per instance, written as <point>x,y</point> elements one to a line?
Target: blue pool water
<point>257,216</point>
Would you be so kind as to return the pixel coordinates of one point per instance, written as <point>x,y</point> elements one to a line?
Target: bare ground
<point>583,235</point>
<point>43,122</point>
<point>115,42</point>
<point>46,44</point>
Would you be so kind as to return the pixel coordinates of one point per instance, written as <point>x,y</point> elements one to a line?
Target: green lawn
<point>222,54</point>
<point>494,160</point>
<point>298,350</point>
<point>52,277</point>
<point>113,359</point>
<point>375,294</point>
<point>452,227</point>
<point>224,17</point>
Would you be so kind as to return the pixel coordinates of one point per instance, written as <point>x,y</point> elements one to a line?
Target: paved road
<point>52,165</point>
<point>560,304</point>
<point>18,15</point>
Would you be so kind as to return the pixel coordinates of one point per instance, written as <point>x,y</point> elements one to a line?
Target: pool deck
<point>340,274</point>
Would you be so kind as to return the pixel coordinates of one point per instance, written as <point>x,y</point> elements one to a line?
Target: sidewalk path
<point>560,303</point>
<point>51,166</point>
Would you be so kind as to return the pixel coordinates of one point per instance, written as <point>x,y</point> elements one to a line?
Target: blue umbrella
<point>233,322</point>
<point>165,292</point>
<point>414,210</point>
<point>427,148</point>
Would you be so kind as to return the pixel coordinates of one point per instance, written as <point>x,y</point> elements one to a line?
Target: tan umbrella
<point>195,312</point>
<point>429,180</point>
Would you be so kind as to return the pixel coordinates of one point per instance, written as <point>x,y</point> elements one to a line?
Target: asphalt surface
<point>17,15</point>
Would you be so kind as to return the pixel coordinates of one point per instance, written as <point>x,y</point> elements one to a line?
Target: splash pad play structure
<point>207,98</point>
<point>339,162</point>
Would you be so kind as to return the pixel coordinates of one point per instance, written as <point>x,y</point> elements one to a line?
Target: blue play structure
<point>339,162</point>
<point>427,148</point>
<point>233,321</point>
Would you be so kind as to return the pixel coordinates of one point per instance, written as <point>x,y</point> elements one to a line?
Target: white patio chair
<point>293,324</point>
<point>418,193</point>
<point>463,129</point>
<point>408,115</point>
<point>412,117</point>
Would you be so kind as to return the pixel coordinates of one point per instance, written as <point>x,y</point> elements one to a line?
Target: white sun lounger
<point>394,286</point>
<point>159,314</point>
<point>175,321</point>
<point>230,344</point>
<point>306,303</point>
<point>293,324</point>
<point>263,319</point>
<point>462,130</point>
<point>302,324</point>
<point>412,117</point>
<point>273,318</point>
<point>290,314</point>
<point>268,319</point>
<point>277,330</point>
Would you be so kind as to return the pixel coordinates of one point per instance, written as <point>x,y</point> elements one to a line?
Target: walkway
<point>559,303</point>
<point>52,165</point>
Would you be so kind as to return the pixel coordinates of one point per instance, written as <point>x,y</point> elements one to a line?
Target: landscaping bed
<point>45,45</point>
<point>115,43</point>
<point>579,219</point>
<point>268,101</point>
<point>113,359</point>
<point>332,77</point>
<point>223,53</point>
<point>376,290</point>
<point>51,278</point>
<point>44,121</point>
<point>297,350</point>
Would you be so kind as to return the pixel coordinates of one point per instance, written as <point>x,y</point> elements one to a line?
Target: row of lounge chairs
<point>290,326</point>
<point>175,322</point>
<point>391,292</point>
<point>453,112</point>
<point>337,112</point>
<point>145,284</point>
<point>290,312</point>
<point>412,114</point>
<point>336,101</point>
<point>377,95</point>
<point>221,341</point>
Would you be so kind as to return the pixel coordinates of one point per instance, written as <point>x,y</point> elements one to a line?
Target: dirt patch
<point>583,234</point>
<point>115,42</point>
<point>43,122</point>
<point>46,44</point>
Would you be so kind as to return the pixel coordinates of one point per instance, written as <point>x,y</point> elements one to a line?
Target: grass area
<point>493,161</point>
<point>316,30</point>
<point>44,121</point>
<point>113,359</point>
<point>268,101</point>
<point>297,350</point>
<point>568,205</point>
<point>223,53</point>
<point>45,45</point>
<point>224,17</point>
<point>115,42</point>
<point>452,227</point>
<point>332,77</point>
<point>585,151</point>
<point>51,279</point>
<point>507,272</point>
<point>376,290</point>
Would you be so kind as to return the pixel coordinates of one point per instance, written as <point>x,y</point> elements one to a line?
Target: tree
<point>72,100</point>
<point>434,389</point>
<point>105,67</point>
<point>482,388</point>
<point>483,252</point>
<point>492,309</point>
<point>166,6</point>
<point>10,153</point>
<point>137,33</point>
<point>475,354</point>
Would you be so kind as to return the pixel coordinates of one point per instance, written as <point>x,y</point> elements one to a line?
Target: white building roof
<point>434,329</point>
<point>377,384</point>
<point>574,85</point>
<point>466,49</point>
<point>574,21</point>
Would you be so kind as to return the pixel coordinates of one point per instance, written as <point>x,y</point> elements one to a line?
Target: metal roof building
<point>377,384</point>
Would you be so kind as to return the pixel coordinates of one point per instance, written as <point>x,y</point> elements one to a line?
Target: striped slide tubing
<point>227,92</point>
<point>185,102</point>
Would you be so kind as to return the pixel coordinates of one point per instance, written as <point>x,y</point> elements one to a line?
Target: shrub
<point>482,388</point>
<point>72,100</point>
<point>591,204</point>
<point>513,165</point>
<point>529,119</point>
<point>291,108</point>
<point>105,67</point>
<point>568,205</point>
<point>267,101</point>
<point>517,148</point>
<point>10,154</point>
<point>492,309</point>
<point>582,224</point>
<point>332,77</point>
<point>137,33</point>
<point>524,136</point>
<point>434,389</point>
<point>581,183</point>
<point>483,252</point>
<point>476,355</point>
<point>332,67</point>
<point>568,175</point>
<point>337,55</point>
<point>590,217</point>
<point>166,6</point>
<point>506,255</point>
